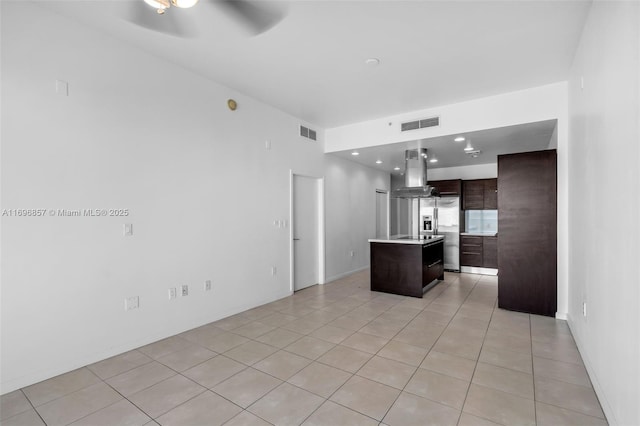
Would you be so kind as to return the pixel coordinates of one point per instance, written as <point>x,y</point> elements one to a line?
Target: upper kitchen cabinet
<point>447,187</point>
<point>480,194</point>
<point>490,194</point>
<point>527,240</point>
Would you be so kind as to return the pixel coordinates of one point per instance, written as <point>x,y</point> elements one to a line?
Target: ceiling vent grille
<point>308,133</point>
<point>420,124</point>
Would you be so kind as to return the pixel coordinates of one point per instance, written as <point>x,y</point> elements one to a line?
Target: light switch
<point>267,145</point>
<point>62,88</point>
<point>128,229</point>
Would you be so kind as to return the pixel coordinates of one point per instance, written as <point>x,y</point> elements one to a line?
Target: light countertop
<point>409,240</point>
<point>480,234</point>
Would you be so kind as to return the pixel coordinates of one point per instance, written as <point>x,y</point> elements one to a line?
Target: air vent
<point>308,133</point>
<point>420,124</point>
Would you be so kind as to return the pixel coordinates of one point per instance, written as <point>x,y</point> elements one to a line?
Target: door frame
<point>321,228</point>
<point>385,191</point>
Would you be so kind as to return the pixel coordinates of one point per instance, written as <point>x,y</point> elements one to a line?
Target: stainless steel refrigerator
<point>441,216</point>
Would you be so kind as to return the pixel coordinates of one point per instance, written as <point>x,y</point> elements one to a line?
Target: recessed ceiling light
<point>459,139</point>
<point>372,62</point>
<point>355,153</point>
<point>396,168</point>
<point>378,161</point>
<point>433,160</point>
<point>468,147</point>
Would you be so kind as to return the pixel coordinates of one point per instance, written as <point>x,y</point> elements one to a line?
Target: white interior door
<point>382,214</point>
<point>306,231</point>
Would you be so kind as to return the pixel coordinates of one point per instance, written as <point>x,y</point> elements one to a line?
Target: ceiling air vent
<point>308,133</point>
<point>420,124</point>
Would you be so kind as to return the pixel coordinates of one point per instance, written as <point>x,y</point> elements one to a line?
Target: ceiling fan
<point>255,16</point>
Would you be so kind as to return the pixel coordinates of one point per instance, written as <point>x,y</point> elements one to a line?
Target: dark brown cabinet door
<point>527,252</point>
<point>447,187</point>
<point>471,251</point>
<point>490,252</point>
<point>473,194</point>
<point>491,194</point>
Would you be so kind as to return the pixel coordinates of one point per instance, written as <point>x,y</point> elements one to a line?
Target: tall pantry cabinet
<point>527,236</point>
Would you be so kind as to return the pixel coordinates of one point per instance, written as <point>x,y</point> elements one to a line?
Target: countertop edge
<point>415,242</point>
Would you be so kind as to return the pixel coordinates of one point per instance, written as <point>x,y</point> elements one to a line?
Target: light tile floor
<point>334,355</point>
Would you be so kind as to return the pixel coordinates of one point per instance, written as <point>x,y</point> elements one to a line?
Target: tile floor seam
<point>65,394</point>
<point>166,412</point>
<point>32,407</point>
<point>476,362</point>
<point>92,413</point>
<point>574,411</point>
<point>533,372</point>
<point>127,399</point>
<point>414,373</point>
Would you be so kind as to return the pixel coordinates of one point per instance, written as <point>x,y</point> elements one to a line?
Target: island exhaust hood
<point>415,176</point>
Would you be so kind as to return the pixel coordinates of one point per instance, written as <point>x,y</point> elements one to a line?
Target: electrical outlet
<point>584,309</point>
<point>185,290</point>
<point>172,293</point>
<point>274,271</point>
<point>131,303</point>
<point>351,253</point>
<point>207,285</point>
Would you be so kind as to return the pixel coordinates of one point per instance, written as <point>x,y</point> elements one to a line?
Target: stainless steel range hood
<point>415,176</point>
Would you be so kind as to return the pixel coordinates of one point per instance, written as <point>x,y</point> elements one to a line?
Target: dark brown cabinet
<point>471,251</point>
<point>479,251</point>
<point>480,194</point>
<point>490,194</point>
<point>447,187</point>
<point>490,252</point>
<point>527,220</point>
<point>406,269</point>
<point>473,194</point>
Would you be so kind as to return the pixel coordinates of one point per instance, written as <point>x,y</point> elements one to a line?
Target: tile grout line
<point>32,406</point>
<point>533,373</point>
<point>430,348</point>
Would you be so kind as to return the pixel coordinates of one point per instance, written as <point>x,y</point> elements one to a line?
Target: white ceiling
<point>311,64</point>
<point>492,142</point>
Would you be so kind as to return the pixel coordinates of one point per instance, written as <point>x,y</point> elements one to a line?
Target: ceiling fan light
<point>158,4</point>
<point>184,4</point>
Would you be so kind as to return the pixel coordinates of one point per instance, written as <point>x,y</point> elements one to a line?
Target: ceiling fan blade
<point>173,22</point>
<point>256,17</point>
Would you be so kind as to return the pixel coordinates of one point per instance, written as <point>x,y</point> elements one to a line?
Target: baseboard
<point>478,270</point>
<point>344,274</point>
<point>561,315</point>
<point>40,375</point>
<point>604,403</point>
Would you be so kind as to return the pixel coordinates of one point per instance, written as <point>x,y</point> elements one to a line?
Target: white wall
<point>139,133</point>
<point>478,171</point>
<point>605,205</point>
<point>524,106</point>
<point>350,204</point>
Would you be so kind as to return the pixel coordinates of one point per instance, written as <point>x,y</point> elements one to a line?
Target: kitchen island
<point>405,265</point>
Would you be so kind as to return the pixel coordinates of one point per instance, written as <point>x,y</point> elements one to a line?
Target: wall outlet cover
<point>185,290</point>
<point>207,285</point>
<point>131,303</point>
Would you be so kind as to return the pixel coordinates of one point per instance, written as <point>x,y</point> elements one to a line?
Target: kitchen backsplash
<point>481,221</point>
